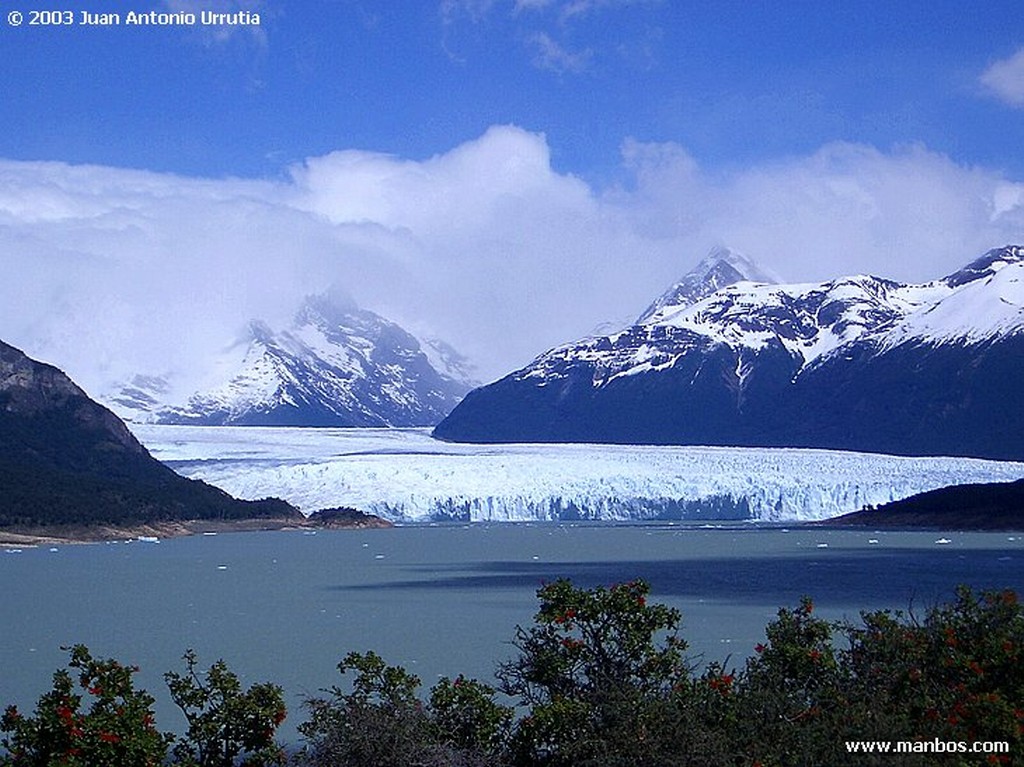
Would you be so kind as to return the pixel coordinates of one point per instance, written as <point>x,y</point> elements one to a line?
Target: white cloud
<point>546,27</point>
<point>110,271</point>
<point>569,9</point>
<point>113,271</point>
<point>573,8</point>
<point>550,55</point>
<point>475,10</point>
<point>1005,79</point>
<point>908,214</point>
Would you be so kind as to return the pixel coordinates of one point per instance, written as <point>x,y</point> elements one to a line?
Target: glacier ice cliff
<point>406,476</point>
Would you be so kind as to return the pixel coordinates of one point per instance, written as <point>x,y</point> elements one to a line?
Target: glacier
<point>408,477</point>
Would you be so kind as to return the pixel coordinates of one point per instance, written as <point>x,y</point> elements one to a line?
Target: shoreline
<point>31,537</point>
<point>22,536</point>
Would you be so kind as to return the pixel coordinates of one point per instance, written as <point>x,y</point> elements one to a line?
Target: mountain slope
<point>335,365</point>
<point>65,459</point>
<point>857,363</point>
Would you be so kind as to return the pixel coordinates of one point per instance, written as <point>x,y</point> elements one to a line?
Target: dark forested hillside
<point>995,506</point>
<point>66,460</point>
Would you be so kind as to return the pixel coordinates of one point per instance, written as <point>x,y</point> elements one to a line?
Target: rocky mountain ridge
<point>859,363</point>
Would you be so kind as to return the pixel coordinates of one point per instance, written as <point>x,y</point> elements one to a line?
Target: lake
<point>287,606</point>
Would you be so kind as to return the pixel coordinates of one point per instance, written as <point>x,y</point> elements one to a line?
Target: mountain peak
<point>334,365</point>
<point>331,307</point>
<point>986,265</point>
<point>720,258</point>
<point>721,267</point>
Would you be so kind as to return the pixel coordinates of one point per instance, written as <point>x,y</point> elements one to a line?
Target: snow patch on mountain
<point>975,305</point>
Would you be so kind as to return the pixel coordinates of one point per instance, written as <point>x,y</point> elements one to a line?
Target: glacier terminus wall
<point>406,476</point>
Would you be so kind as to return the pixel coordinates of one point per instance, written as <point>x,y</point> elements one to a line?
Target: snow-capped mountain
<point>726,358</point>
<point>335,365</point>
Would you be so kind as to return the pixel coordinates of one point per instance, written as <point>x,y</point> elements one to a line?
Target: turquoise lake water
<point>287,606</point>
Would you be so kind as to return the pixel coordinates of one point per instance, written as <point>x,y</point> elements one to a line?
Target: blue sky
<point>733,82</point>
<point>507,174</point>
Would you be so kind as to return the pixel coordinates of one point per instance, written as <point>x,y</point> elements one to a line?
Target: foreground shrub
<point>469,720</point>
<point>380,721</point>
<point>226,725</point>
<point>595,670</point>
<point>953,676</point>
<point>600,679</point>
<point>956,675</point>
<point>116,728</point>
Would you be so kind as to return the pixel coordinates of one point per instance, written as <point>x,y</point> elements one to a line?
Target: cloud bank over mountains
<point>109,271</point>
